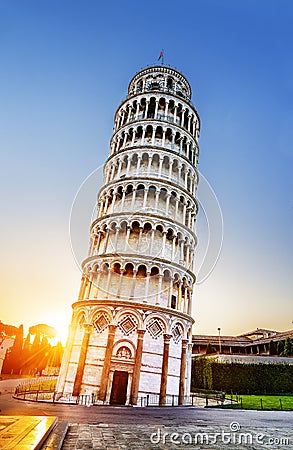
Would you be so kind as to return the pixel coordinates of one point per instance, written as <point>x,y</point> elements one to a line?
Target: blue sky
<point>65,67</point>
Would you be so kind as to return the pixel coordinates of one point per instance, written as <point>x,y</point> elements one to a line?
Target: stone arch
<point>124,312</point>
<point>167,274</point>
<point>101,319</point>
<point>168,136</point>
<point>124,343</point>
<point>141,271</point>
<point>170,83</point>
<point>104,309</point>
<point>116,267</point>
<point>80,317</point>
<point>159,132</point>
<point>177,331</point>
<point>156,325</point>
<point>105,267</point>
<point>96,267</point>
<point>155,270</point>
<point>135,225</point>
<point>128,270</point>
<point>145,159</point>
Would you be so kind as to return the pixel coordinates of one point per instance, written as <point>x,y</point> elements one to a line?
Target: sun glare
<point>61,325</point>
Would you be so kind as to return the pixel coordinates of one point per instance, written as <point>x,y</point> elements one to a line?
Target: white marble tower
<point>130,335</point>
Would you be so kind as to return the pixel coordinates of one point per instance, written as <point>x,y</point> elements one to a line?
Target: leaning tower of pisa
<point>130,334</point>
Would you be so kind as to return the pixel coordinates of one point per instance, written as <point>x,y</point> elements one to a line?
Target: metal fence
<point>47,395</point>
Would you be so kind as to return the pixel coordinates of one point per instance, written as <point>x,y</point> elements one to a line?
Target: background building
<point>256,342</point>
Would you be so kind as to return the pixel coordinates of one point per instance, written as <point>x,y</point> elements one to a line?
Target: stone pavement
<point>137,437</point>
<point>106,427</point>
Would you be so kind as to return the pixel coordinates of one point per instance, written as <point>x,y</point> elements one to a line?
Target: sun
<point>61,325</point>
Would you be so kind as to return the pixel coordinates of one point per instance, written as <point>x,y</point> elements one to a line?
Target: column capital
<point>112,328</point>
<point>88,327</point>
<point>140,333</point>
<point>167,338</point>
<point>184,342</point>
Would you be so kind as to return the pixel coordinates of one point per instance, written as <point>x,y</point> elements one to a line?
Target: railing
<point>37,383</point>
<point>157,87</point>
<point>31,392</point>
<point>37,389</point>
<point>159,116</point>
<point>198,400</point>
<point>44,395</point>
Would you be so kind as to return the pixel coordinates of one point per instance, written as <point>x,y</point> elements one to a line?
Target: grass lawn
<point>268,402</point>
<point>43,385</point>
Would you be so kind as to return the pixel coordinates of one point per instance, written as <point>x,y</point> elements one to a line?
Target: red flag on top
<point>161,56</point>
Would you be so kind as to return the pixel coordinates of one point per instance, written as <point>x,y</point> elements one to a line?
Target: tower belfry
<point>130,335</point>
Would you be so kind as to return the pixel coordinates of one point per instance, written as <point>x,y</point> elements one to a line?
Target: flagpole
<point>162,56</point>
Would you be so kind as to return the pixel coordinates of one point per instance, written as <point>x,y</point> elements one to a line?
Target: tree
<point>12,361</point>
<point>280,347</point>
<point>44,330</point>
<point>287,348</point>
<point>7,331</point>
<point>272,348</point>
<point>37,354</point>
<point>210,349</point>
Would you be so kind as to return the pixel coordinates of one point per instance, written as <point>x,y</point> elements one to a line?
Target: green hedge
<point>241,377</point>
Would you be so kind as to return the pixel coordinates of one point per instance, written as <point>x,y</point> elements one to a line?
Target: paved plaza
<point>192,436</point>
<point>109,428</point>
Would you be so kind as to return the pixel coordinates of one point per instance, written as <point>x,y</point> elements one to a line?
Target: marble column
<point>165,365</point>
<point>81,360</point>
<point>184,343</point>
<point>107,362</point>
<point>137,367</point>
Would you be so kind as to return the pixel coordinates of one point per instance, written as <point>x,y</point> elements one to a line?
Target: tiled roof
<point>226,340</point>
<point>258,331</point>
<point>241,340</point>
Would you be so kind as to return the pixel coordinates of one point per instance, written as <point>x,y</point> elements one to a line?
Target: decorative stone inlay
<point>123,353</point>
<point>101,322</point>
<point>127,325</point>
<point>177,333</point>
<point>155,328</point>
